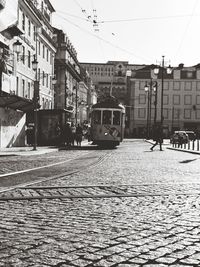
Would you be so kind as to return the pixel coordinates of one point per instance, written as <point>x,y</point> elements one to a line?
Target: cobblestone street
<point>157,226</point>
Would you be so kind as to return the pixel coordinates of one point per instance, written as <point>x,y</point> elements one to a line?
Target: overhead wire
<point>72,15</point>
<point>105,41</point>
<point>147,18</point>
<point>88,18</point>
<point>186,28</point>
<point>100,43</point>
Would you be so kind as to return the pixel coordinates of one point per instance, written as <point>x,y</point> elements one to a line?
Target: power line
<point>72,15</point>
<point>147,18</point>
<point>186,28</point>
<point>105,41</point>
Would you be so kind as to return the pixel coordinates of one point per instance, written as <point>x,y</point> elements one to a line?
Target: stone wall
<point>12,128</point>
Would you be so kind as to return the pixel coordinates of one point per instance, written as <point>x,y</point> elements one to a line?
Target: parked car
<point>182,137</point>
<point>191,135</point>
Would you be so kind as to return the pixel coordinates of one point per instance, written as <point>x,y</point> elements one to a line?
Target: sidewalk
<point>28,150</point>
<point>166,142</point>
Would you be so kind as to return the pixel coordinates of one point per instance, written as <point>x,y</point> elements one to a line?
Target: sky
<point>137,31</point>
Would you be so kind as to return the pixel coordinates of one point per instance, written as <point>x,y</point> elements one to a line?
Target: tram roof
<point>109,102</point>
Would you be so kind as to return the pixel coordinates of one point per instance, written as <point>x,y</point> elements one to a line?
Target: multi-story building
<point>35,32</point>
<point>11,120</point>
<point>72,87</point>
<point>35,22</point>
<point>181,95</point>
<point>181,100</point>
<point>67,71</point>
<point>111,77</point>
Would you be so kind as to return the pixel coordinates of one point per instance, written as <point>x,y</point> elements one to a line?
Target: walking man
<point>157,137</point>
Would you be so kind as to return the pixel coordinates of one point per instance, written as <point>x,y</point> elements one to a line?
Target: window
<point>142,98</point>
<point>187,99</point>
<point>116,117</point>
<point>141,113</point>
<point>176,114</point>
<point>47,55</point>
<point>198,99</point>
<point>107,117</point>
<point>29,59</point>
<point>43,103</point>
<point>188,86</point>
<point>17,85</point>
<point>176,99</point>
<point>29,90</point>
<point>97,117</point>
<point>165,99</point>
<point>51,58</point>
<point>142,85</point>
<point>43,53</point>
<point>47,80</point>
<point>34,33</point>
<point>23,87</point>
<point>23,54</point>
<point>166,85</point>
<point>23,22</point>
<point>43,76</point>
<point>165,113</point>
<point>198,114</point>
<point>187,114</point>
<point>39,73</point>
<point>29,27</point>
<point>198,86</point>
<point>39,48</point>
<point>176,85</point>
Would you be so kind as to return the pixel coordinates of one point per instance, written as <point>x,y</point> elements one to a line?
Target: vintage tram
<point>107,122</point>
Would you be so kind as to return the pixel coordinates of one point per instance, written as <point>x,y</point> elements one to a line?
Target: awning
<point>15,102</point>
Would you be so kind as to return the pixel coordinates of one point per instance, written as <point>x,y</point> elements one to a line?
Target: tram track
<point>96,191</point>
<point>56,177</point>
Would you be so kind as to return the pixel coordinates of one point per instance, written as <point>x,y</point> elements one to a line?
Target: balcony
<point>71,68</point>
<point>46,35</point>
<point>46,15</point>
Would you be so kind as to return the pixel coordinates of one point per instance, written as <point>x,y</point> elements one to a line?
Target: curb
<point>184,150</point>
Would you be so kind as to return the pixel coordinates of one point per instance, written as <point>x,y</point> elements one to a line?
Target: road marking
<point>37,168</point>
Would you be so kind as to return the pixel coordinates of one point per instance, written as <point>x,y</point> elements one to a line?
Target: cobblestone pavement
<point>18,163</point>
<point>162,229</point>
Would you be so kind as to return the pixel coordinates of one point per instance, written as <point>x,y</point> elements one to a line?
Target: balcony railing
<point>48,37</point>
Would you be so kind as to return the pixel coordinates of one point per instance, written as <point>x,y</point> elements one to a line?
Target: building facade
<point>73,86</point>
<point>111,78</point>
<point>34,34</point>
<point>181,100</point>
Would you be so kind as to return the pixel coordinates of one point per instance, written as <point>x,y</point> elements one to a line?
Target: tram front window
<point>116,117</point>
<point>97,117</point>
<point>107,115</point>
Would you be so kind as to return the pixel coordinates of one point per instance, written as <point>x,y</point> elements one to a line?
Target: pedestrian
<point>157,137</point>
<point>89,133</point>
<point>73,127</point>
<point>67,135</point>
<point>181,139</point>
<point>79,134</point>
<point>58,133</point>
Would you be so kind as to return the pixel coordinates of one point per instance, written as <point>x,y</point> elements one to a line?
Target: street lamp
<point>150,88</point>
<point>35,100</point>
<point>168,71</point>
<point>128,112</point>
<point>17,48</point>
